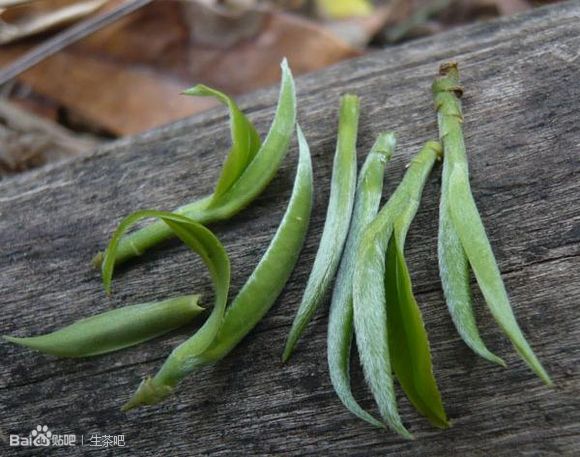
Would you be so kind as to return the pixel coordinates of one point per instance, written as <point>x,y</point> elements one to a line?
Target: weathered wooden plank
<point>521,108</point>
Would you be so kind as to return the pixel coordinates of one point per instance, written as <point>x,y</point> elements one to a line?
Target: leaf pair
<point>123,327</point>
<point>389,330</point>
<point>200,240</point>
<point>340,320</point>
<point>203,242</point>
<point>272,272</point>
<point>247,170</point>
<point>462,238</point>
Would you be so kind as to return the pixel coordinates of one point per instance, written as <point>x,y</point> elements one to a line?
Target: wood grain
<point>521,107</point>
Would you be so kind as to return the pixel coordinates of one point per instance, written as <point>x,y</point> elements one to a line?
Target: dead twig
<point>67,37</point>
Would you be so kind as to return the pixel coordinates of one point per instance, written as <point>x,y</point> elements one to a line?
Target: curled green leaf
<point>207,246</point>
<point>383,299</point>
<point>338,215</point>
<point>245,140</point>
<point>116,329</point>
<point>258,293</point>
<point>340,321</point>
<point>245,174</point>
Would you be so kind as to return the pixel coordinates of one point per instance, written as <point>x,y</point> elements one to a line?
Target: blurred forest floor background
<point>128,76</point>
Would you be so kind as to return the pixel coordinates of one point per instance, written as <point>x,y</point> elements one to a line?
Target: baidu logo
<point>41,436</point>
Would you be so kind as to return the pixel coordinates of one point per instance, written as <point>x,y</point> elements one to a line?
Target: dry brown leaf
<point>121,99</point>
<point>414,22</point>
<point>128,77</point>
<point>9,3</point>
<point>29,19</point>
<point>242,56</point>
<point>27,141</point>
<point>219,27</point>
<point>254,62</point>
<point>507,7</point>
<point>26,99</point>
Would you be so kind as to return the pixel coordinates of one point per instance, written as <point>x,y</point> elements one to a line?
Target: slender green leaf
<point>408,343</point>
<point>267,160</point>
<point>370,319</point>
<point>454,273</point>
<point>340,321</point>
<point>472,234</point>
<point>116,329</point>
<point>338,215</point>
<point>272,272</point>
